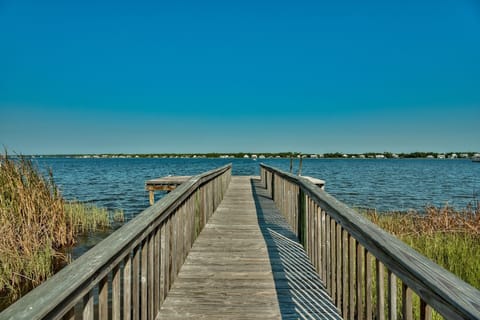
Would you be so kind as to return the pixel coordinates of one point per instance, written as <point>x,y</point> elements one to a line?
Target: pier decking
<point>223,247</point>
<point>247,264</point>
<point>168,183</point>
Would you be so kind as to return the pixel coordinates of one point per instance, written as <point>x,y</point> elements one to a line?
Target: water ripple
<point>383,184</point>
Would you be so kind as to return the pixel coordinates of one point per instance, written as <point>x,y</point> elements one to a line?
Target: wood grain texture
<point>440,289</point>
<point>247,264</point>
<point>55,297</point>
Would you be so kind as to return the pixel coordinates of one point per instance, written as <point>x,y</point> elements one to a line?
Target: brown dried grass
<point>35,223</point>
<point>451,238</point>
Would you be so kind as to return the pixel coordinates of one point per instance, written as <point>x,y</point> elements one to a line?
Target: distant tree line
<point>272,155</point>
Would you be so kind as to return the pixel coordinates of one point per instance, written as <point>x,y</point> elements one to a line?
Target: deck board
<point>247,264</point>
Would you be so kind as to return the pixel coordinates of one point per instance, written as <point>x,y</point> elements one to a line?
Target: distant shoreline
<point>280,155</point>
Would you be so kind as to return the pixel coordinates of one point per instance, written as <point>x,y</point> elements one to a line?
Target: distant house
<point>254,156</point>
<point>261,157</point>
<point>313,156</point>
<point>441,156</point>
<point>430,156</point>
<point>380,156</point>
<point>246,156</point>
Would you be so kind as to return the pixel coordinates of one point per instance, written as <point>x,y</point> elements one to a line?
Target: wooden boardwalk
<point>247,264</point>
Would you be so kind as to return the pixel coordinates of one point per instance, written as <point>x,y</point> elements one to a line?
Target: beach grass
<point>451,238</point>
<point>36,223</point>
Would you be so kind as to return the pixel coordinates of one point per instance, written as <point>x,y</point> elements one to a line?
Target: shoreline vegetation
<point>268,155</point>
<point>37,225</point>
<point>449,237</point>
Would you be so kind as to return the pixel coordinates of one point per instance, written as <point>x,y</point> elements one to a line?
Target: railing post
<point>272,189</point>
<point>301,218</point>
<point>348,261</point>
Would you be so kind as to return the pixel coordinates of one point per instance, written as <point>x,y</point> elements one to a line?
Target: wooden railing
<point>128,275</point>
<point>368,273</point>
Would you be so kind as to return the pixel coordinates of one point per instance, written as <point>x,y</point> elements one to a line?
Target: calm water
<point>382,184</point>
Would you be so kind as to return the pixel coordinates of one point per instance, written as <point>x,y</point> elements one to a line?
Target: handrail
<point>341,244</point>
<point>130,273</point>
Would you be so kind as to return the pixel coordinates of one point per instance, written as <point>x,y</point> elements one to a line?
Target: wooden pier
<point>168,183</point>
<point>274,247</point>
<point>247,264</point>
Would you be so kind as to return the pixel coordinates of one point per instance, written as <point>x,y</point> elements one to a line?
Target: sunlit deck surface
<point>247,263</point>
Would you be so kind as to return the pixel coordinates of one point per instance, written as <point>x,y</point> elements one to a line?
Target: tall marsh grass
<point>449,237</point>
<point>35,224</point>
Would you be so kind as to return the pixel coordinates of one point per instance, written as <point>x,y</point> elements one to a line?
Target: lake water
<point>402,184</point>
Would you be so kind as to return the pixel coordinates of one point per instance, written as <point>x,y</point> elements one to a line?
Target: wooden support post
<point>300,165</point>
<point>152,197</point>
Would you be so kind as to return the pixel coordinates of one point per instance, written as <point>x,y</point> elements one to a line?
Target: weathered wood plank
<point>88,307</point>
<point>247,264</point>
<point>65,289</point>
<point>116,298</point>
<point>392,296</point>
<point>440,289</point>
<point>103,298</point>
<point>167,183</point>
<point>127,288</point>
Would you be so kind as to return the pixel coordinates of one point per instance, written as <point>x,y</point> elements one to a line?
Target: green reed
<point>449,237</point>
<point>35,224</point>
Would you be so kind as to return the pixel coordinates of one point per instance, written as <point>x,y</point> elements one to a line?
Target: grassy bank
<point>450,238</point>
<point>35,224</point>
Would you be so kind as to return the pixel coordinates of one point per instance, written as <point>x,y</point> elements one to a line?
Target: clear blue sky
<point>226,76</point>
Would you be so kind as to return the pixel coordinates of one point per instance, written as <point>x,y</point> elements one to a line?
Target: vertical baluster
<point>88,307</point>
<point>150,272</point>
<point>319,240</point>
<point>380,291</point>
<point>339,265</point>
<point>351,276</point>
<point>136,283</point>
<point>157,266</point>
<point>392,296</point>
<point>323,220</point>
<point>327,255</point>
<point>345,248</point>
<point>174,235</point>
<point>116,300</point>
<point>312,233</point>
<point>127,288</point>
<point>333,259</point>
<point>368,285</point>
<point>103,298</point>
<point>171,249</point>
<point>163,259</point>
<point>316,234</point>
<point>406,302</point>
<point>144,281</point>
<point>359,282</point>
<point>425,311</point>
<point>308,226</point>
<point>166,253</point>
